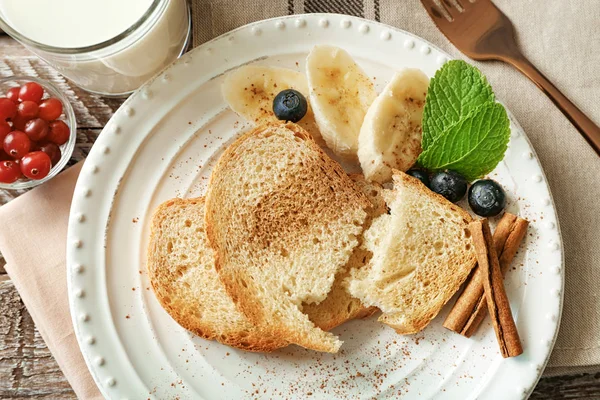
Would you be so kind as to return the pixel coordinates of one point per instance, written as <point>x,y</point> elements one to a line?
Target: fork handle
<point>588,129</point>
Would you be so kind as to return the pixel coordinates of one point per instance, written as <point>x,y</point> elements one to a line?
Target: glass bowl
<point>68,116</point>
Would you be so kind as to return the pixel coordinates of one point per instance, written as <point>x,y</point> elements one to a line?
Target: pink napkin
<point>33,217</point>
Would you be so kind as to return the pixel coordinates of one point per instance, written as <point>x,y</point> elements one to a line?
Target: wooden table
<point>27,369</point>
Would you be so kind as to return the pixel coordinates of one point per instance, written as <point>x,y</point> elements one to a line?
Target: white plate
<point>163,142</point>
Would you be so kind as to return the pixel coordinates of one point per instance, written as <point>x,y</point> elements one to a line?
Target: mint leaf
<point>456,89</point>
<point>473,146</point>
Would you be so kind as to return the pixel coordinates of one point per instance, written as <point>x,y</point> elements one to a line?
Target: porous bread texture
<point>422,253</point>
<point>340,306</point>
<point>374,192</point>
<point>183,276</point>
<point>282,218</point>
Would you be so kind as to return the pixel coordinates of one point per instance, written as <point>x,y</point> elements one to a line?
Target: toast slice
<point>422,253</point>
<point>182,273</point>
<point>282,218</point>
<point>340,306</point>
<point>187,285</point>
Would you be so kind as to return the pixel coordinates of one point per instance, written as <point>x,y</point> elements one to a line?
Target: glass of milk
<point>108,47</point>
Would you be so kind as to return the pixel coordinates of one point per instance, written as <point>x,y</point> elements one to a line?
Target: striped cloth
<point>561,39</point>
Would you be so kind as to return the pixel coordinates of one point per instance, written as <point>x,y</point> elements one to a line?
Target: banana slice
<point>390,136</point>
<point>340,94</point>
<point>250,90</point>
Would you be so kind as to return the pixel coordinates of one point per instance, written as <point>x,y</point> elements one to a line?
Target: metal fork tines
<point>482,32</point>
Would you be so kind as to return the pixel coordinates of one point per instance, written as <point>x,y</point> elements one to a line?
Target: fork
<point>482,32</point>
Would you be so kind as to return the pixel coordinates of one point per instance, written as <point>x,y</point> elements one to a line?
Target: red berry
<point>8,109</point>
<point>28,110</point>
<point>13,95</point>
<point>9,171</point>
<point>31,91</point>
<point>52,150</point>
<point>18,123</point>
<point>36,165</point>
<point>50,109</point>
<point>5,129</point>
<point>59,133</point>
<point>36,129</point>
<point>17,144</point>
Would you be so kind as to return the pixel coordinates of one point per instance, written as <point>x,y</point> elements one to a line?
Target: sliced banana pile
<point>390,136</point>
<point>340,94</point>
<point>344,112</point>
<point>250,90</point>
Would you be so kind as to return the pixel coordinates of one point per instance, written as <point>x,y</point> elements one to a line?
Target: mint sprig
<point>464,129</point>
<point>473,146</point>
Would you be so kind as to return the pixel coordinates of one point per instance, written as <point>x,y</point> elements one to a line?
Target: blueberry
<point>421,175</point>
<point>290,105</point>
<point>449,184</point>
<point>487,198</point>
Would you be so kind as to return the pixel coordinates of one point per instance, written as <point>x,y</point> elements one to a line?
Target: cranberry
<point>9,171</point>
<point>5,129</point>
<point>59,133</point>
<point>36,165</point>
<point>52,150</point>
<point>51,109</point>
<point>28,110</point>
<point>17,144</point>
<point>18,123</point>
<point>13,95</point>
<point>36,129</point>
<point>8,109</point>
<point>31,91</point>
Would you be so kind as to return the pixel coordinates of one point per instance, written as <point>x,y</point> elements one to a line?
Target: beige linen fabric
<point>562,38</point>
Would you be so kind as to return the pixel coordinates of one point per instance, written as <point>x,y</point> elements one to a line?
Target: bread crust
<point>340,306</point>
<point>397,291</point>
<point>237,279</point>
<point>186,306</point>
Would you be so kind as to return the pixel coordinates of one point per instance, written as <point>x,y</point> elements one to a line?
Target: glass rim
<point>154,7</point>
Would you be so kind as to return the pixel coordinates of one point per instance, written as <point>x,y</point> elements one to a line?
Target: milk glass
<point>122,64</point>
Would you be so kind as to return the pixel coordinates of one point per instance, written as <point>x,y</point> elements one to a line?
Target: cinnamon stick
<point>493,285</point>
<point>471,306</point>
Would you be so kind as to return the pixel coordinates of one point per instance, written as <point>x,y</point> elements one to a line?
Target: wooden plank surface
<point>27,369</point>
